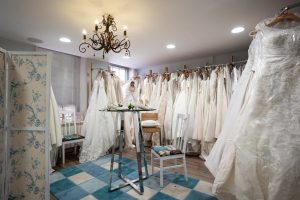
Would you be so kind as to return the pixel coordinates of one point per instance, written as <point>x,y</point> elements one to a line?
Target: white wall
<point>65,78</point>
<point>11,45</point>
<point>193,63</point>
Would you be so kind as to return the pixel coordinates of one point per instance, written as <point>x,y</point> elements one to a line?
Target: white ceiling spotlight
<point>171,46</point>
<point>238,29</point>
<point>64,39</point>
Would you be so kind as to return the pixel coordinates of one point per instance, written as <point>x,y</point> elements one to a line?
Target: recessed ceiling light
<point>126,57</point>
<point>171,46</point>
<point>238,29</point>
<point>64,39</point>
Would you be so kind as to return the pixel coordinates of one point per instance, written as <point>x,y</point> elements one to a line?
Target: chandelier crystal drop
<point>105,39</point>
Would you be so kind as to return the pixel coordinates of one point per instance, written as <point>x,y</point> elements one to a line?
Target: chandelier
<point>105,39</point>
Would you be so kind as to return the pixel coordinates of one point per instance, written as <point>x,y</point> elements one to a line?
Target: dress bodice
<point>281,40</point>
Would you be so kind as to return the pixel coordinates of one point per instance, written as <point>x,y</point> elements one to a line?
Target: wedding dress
<point>261,158</point>
<point>172,90</point>
<point>162,106</point>
<point>221,102</point>
<point>238,99</point>
<point>181,104</point>
<point>147,85</point>
<point>98,127</point>
<point>199,116</point>
<point>130,98</point>
<point>211,125</point>
<point>192,105</point>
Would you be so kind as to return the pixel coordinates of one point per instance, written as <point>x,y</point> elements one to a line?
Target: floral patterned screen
<point>28,121</point>
<point>2,140</point>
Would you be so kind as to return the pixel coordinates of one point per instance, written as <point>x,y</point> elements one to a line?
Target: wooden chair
<point>70,130</point>
<point>178,143</point>
<point>151,130</point>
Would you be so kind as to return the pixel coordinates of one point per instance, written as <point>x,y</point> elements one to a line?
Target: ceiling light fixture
<point>171,46</point>
<point>106,40</point>
<point>238,29</point>
<point>64,39</point>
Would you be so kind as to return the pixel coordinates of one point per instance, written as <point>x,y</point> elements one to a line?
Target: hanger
<point>285,15</point>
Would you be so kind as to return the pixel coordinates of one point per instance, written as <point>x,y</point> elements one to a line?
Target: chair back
<point>180,138</point>
<point>149,116</point>
<point>68,120</point>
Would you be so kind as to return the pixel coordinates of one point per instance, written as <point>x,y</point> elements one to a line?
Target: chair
<point>178,143</point>
<point>154,129</point>
<point>70,129</point>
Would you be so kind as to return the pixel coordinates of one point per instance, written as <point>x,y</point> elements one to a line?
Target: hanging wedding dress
<point>172,91</point>
<point>221,101</point>
<point>98,127</point>
<point>210,131</point>
<point>199,115</point>
<point>228,82</point>
<point>181,103</point>
<point>130,98</point>
<point>192,105</point>
<point>238,99</point>
<point>162,106</point>
<point>261,157</point>
<point>147,85</point>
<point>55,129</point>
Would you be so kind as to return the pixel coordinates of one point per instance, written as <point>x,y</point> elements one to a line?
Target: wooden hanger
<point>286,15</point>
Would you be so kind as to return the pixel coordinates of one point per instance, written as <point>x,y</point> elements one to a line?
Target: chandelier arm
<point>96,43</point>
<point>83,46</point>
<point>113,26</point>
<point>125,43</point>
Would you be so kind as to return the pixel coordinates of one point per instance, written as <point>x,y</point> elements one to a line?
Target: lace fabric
<point>257,154</point>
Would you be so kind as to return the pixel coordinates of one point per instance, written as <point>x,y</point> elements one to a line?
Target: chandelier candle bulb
<point>84,34</point>
<point>96,25</point>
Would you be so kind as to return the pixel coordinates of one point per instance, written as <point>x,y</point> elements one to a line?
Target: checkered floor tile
<point>89,181</point>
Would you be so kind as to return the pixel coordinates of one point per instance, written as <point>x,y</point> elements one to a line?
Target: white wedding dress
<point>192,105</point>
<point>259,153</point>
<point>172,91</point>
<point>98,127</point>
<point>162,106</point>
<point>181,104</point>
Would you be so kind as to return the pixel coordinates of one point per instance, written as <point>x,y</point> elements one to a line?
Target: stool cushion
<point>72,137</point>
<point>166,150</point>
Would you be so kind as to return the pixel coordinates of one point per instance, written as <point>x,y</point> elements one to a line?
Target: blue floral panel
<point>2,93</point>
<point>27,165</point>
<point>28,91</point>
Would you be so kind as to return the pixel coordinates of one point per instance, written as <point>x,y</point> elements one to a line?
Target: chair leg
<point>152,166</point>
<point>75,148</point>
<point>63,153</point>
<point>161,173</point>
<point>185,169</point>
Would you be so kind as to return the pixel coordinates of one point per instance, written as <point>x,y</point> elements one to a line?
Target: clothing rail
<point>216,65</point>
<point>197,68</point>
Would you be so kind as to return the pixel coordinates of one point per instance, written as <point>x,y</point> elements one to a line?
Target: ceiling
<point>197,27</point>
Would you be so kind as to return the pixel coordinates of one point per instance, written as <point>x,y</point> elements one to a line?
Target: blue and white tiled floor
<point>89,181</point>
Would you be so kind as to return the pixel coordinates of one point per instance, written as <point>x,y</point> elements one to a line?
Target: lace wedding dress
<point>259,151</point>
<point>98,127</point>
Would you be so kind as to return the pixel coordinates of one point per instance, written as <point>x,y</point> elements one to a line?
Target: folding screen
<point>28,117</point>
